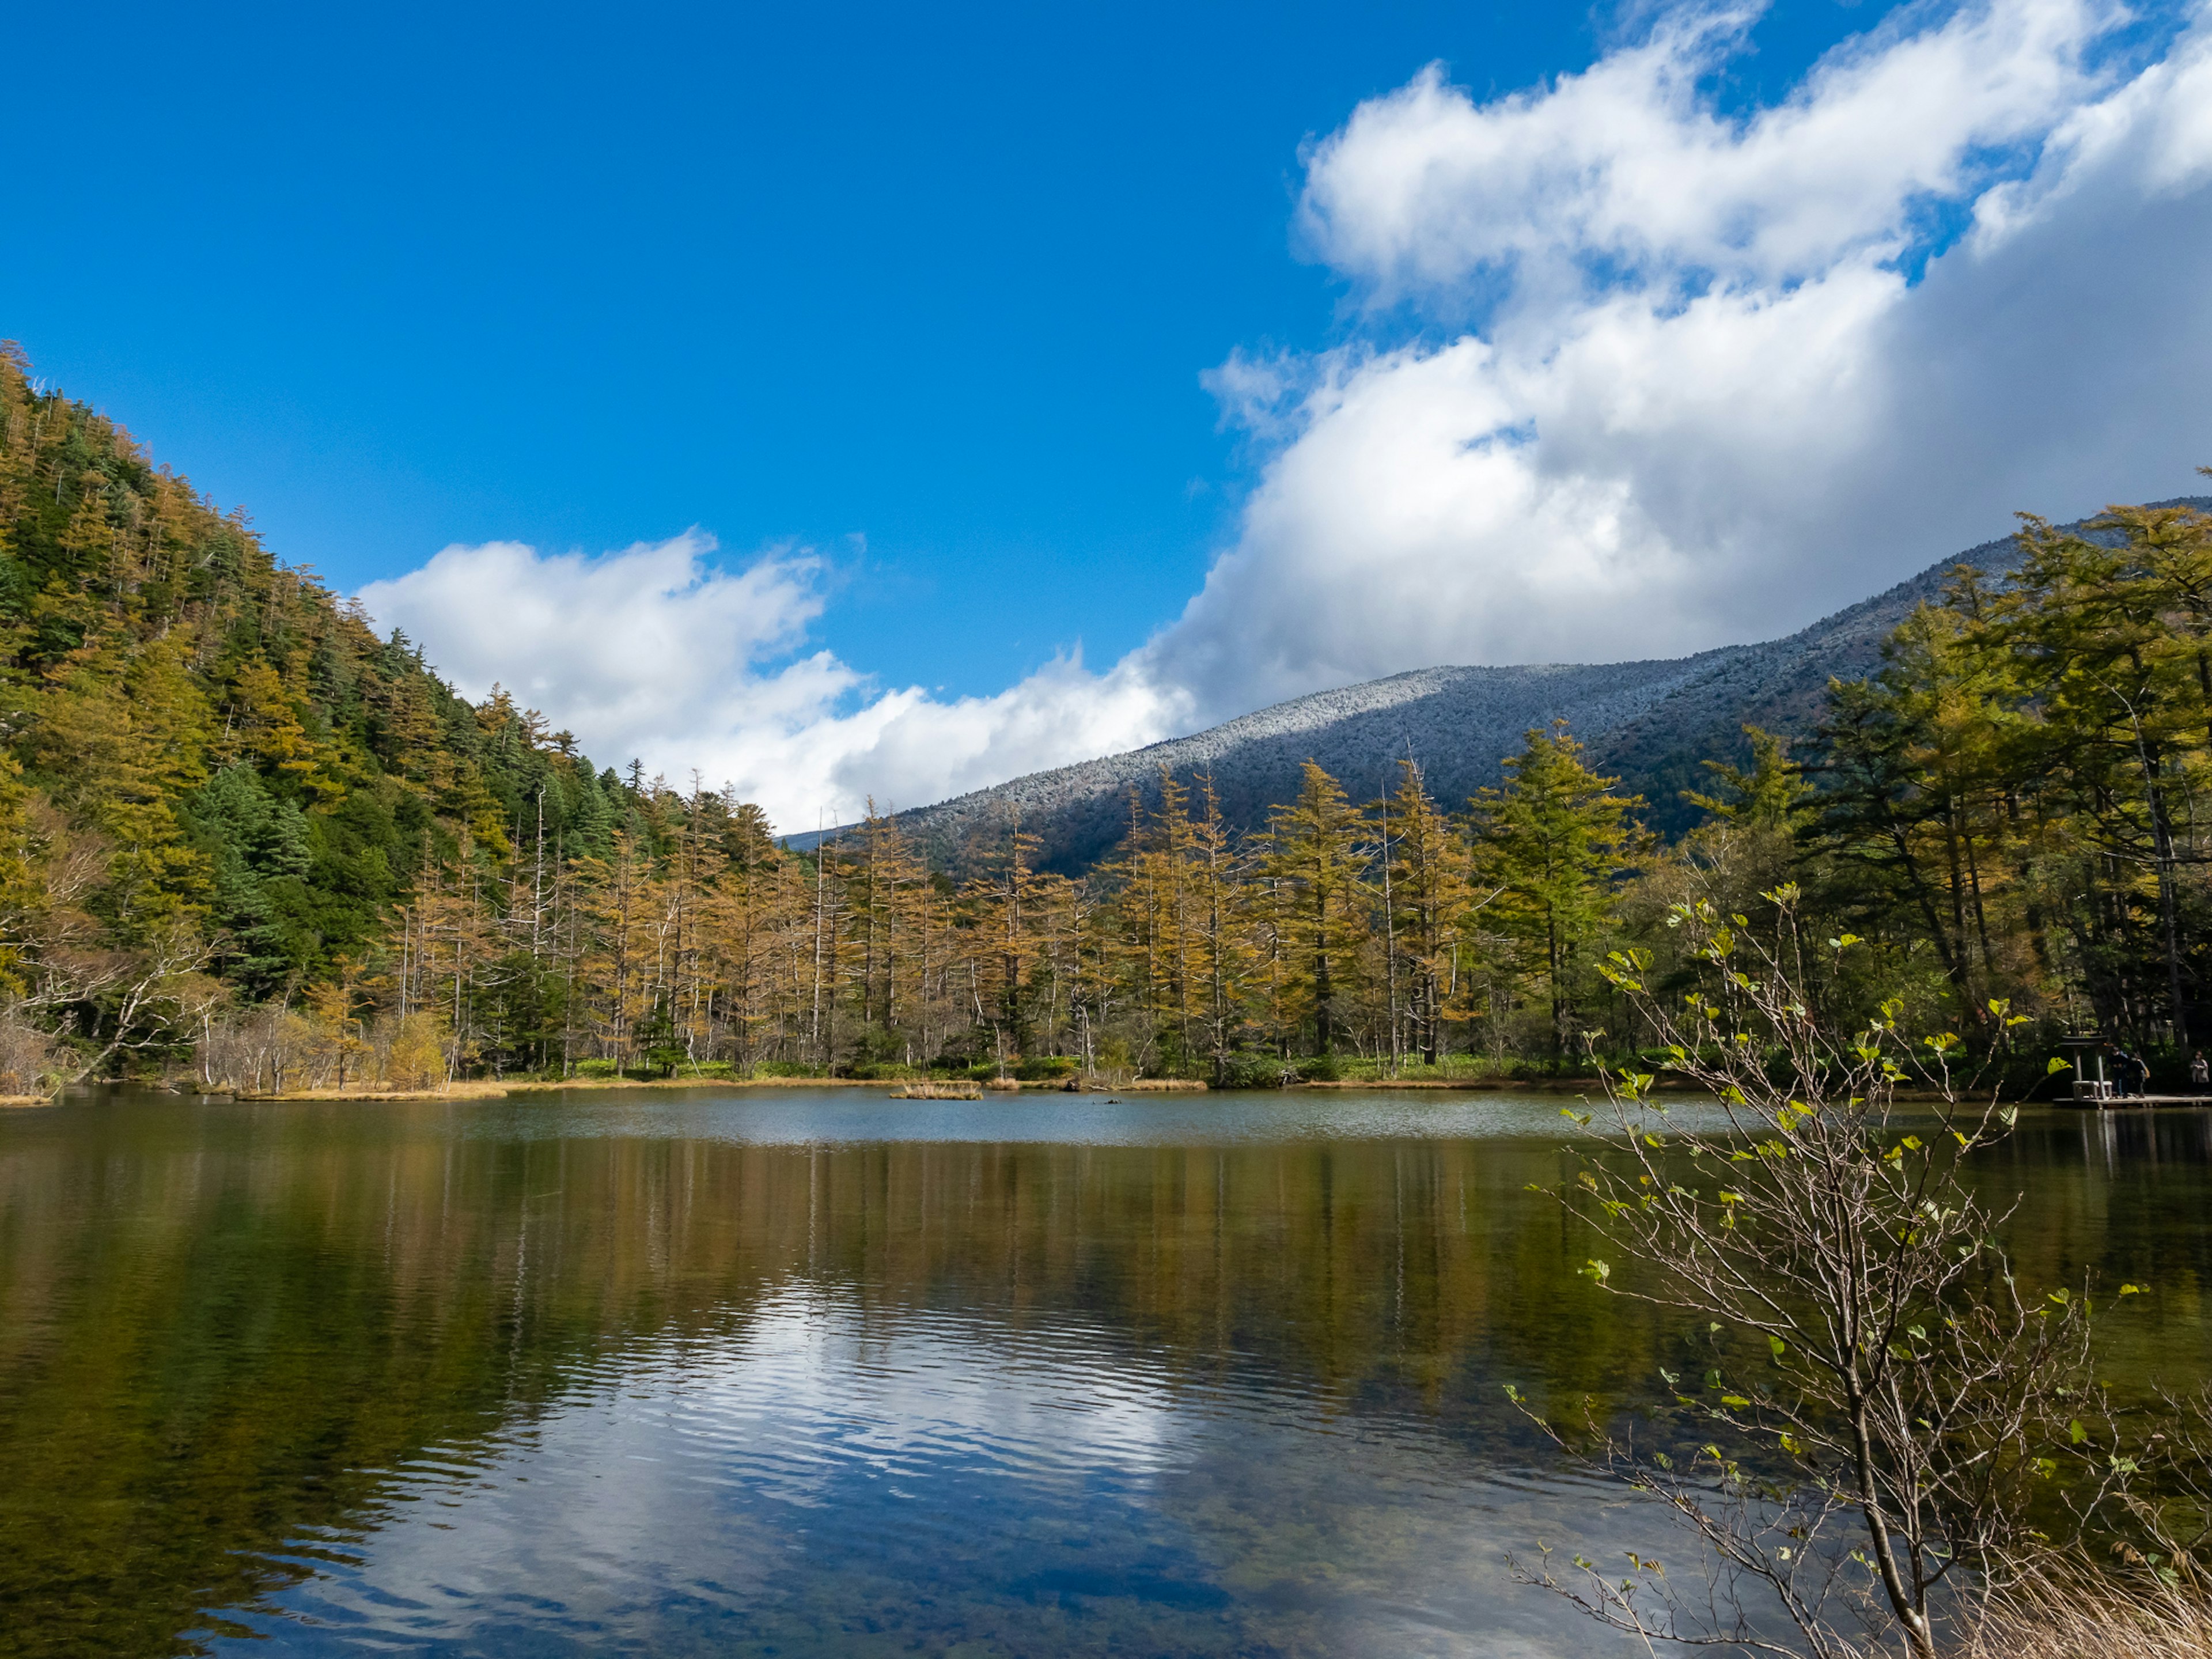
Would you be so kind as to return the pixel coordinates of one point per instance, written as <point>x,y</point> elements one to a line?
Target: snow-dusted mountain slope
<point>1650,722</point>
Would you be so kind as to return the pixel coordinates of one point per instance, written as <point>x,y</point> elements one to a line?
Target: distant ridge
<point>1650,722</point>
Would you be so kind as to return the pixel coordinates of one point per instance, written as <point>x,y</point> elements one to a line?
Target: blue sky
<point>1227,343</point>
<point>941,278</point>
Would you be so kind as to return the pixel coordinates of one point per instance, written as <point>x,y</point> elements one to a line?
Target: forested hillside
<point>221,787</point>
<point>249,844</point>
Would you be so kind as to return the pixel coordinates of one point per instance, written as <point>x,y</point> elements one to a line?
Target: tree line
<point>246,837</point>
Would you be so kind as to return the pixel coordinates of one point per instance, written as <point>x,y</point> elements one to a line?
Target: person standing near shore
<point>2200,1074</point>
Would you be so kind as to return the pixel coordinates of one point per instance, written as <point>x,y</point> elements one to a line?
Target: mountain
<point>1652,723</point>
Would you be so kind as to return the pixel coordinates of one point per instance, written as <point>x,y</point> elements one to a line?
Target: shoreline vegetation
<point>935,1088</point>
<point>247,845</point>
<point>491,1088</point>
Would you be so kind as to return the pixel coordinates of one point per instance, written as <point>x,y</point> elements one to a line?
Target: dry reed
<point>31,1060</point>
<point>2136,1615</point>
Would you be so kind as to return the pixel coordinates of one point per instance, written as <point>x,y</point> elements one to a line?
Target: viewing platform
<point>2098,1096</point>
<point>2110,1102</point>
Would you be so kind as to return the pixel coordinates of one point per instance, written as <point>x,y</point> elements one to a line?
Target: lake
<point>815,1371</point>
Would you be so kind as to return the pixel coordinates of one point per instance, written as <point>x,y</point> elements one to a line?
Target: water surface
<point>815,1371</point>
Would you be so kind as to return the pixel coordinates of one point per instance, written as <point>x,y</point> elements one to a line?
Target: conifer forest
<point>250,843</point>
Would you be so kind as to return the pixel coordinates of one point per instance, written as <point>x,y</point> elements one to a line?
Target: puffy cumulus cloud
<point>1627,172</point>
<point>658,653</point>
<point>1713,375</point>
<point>615,646</point>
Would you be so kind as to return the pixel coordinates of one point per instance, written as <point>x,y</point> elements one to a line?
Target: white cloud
<point>616,645</point>
<point>1626,171</point>
<point>656,652</point>
<point>1628,376</point>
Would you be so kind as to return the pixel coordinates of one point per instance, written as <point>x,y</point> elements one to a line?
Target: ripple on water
<point>834,1478</point>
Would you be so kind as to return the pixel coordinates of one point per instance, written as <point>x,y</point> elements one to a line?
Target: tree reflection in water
<point>512,1377</point>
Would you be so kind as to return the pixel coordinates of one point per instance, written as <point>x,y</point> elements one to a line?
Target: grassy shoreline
<point>493,1089</point>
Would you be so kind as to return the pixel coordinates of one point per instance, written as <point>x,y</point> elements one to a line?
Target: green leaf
<point>1778,1344</point>
<point>2055,1067</point>
<point>2133,1289</point>
<point>1734,1402</point>
<point>2076,1433</point>
<point>1595,1269</point>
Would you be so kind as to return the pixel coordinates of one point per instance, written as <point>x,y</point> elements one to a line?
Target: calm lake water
<point>814,1372</point>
